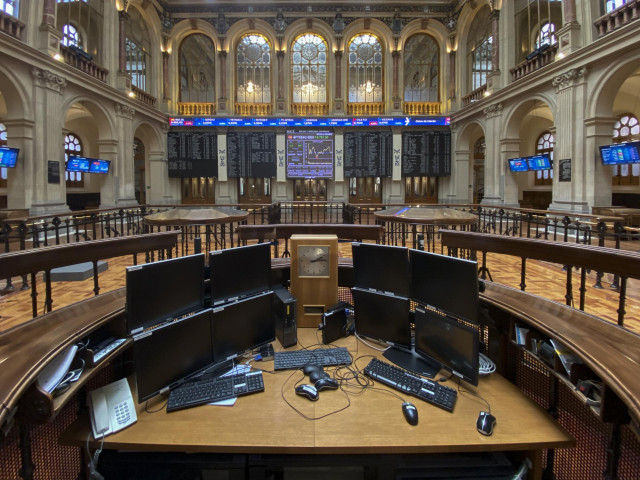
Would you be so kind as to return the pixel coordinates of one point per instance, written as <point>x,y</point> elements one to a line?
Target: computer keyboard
<point>198,392</point>
<point>427,390</point>
<point>323,357</point>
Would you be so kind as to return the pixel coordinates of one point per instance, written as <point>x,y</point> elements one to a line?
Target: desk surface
<point>427,216</point>
<point>373,423</point>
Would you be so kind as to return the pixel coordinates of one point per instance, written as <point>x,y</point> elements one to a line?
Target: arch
<point>514,116</point>
<point>150,135</point>
<point>150,17</point>
<point>14,94</point>
<point>318,27</point>
<point>469,134</point>
<point>606,88</point>
<point>184,28</point>
<point>376,27</point>
<point>243,27</point>
<point>105,122</point>
<point>434,28</point>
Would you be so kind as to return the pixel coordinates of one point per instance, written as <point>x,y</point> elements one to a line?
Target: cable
<point>93,460</point>
<point>477,395</point>
<point>306,417</point>
<point>371,346</point>
<point>486,365</point>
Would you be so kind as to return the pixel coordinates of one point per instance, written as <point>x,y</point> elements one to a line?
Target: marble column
<point>20,134</point>
<point>457,188</point>
<point>123,174</point>
<point>165,76</point>
<point>281,100</point>
<point>222,99</point>
<point>339,102</point>
<point>493,78</point>
<point>49,12</point>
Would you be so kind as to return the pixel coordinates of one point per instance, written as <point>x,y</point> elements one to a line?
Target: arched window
<point>253,70</point>
<point>309,69</point>
<point>613,4</point>
<point>72,146</point>
<point>3,141</point>
<point>479,50</point>
<point>70,36</point>
<point>137,48</point>
<point>197,73</point>
<point>365,69</point>
<point>10,7</point>
<point>421,69</point>
<point>626,129</point>
<point>546,36</point>
<point>544,145</point>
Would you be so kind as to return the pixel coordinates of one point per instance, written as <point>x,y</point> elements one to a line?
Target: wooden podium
<point>314,276</point>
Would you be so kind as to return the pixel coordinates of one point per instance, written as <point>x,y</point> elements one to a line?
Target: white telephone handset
<point>112,408</point>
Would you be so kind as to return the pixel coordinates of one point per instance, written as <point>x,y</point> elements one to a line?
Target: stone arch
<point>104,120</point>
<point>244,27</point>
<point>15,96</point>
<point>514,116</point>
<point>607,87</point>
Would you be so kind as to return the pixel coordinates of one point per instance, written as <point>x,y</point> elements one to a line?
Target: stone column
<point>571,91</point>
<point>494,171</point>
<point>510,182</point>
<point>48,36</point>
<point>341,189</point>
<point>397,101</point>
<point>281,99</point>
<point>493,78</point>
<point>458,186</point>
<point>396,191</point>
<point>165,76</point>
<point>124,79</point>
<point>569,35</point>
<point>123,175</point>
<point>222,100</point>
<point>20,134</point>
<point>279,190</point>
<point>339,102</point>
<point>48,142</point>
<point>452,74</point>
<point>159,187</point>
<point>49,12</point>
<point>596,177</point>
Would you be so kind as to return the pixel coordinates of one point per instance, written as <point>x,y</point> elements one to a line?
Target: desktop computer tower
<point>284,310</point>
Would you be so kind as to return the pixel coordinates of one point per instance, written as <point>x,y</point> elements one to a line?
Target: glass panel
<point>197,60</point>
<point>254,69</point>
<point>365,81</point>
<point>308,68</point>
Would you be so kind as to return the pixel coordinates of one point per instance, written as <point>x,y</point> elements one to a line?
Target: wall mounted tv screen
<point>99,166</point>
<point>8,157</point>
<point>620,153</point>
<point>309,154</point>
<point>518,165</point>
<point>539,162</point>
<point>77,164</point>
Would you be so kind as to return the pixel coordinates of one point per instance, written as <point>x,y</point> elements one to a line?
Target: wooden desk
<point>373,424</point>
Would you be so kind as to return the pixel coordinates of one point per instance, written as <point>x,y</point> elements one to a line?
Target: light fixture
<point>486,94</point>
<point>368,87</point>
<point>309,88</point>
<point>58,57</point>
<point>250,87</point>
<point>132,94</point>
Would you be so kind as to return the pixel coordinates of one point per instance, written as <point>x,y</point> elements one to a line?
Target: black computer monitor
<point>382,317</point>
<point>173,352</point>
<point>449,284</point>
<point>384,268</point>
<point>448,343</point>
<point>160,291</point>
<point>242,326</point>
<point>239,272</point>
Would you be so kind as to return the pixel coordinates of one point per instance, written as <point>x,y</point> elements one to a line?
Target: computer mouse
<point>326,383</point>
<point>410,413</point>
<point>308,391</point>
<point>315,372</point>
<point>485,423</point>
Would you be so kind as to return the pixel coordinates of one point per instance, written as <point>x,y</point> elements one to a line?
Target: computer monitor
<point>518,165</point>
<point>239,272</point>
<point>449,284</point>
<point>173,352</point>
<point>99,166</point>
<point>242,326</point>
<point>620,153</point>
<point>447,343</point>
<point>77,164</point>
<point>8,157</point>
<point>539,162</point>
<point>384,268</point>
<point>160,291</point>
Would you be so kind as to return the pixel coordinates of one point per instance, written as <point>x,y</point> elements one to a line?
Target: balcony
<point>259,109</point>
<point>194,109</point>
<point>617,18</point>
<point>477,94</point>
<point>78,58</point>
<point>144,96</point>
<point>376,108</point>
<point>310,108</point>
<point>421,108</point>
<point>11,25</point>
<point>534,61</point>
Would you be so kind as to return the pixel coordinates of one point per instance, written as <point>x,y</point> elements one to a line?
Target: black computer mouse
<point>326,383</point>
<point>315,372</point>
<point>308,391</point>
<point>410,413</point>
<point>485,423</point>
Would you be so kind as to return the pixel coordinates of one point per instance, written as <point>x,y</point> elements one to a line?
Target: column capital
<point>568,79</point>
<point>494,110</point>
<point>125,111</point>
<point>47,79</point>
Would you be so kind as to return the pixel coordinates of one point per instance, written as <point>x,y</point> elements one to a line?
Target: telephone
<point>111,408</point>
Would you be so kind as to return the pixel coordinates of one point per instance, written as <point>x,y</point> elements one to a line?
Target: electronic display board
<point>405,121</point>
<point>518,165</point>
<point>539,162</point>
<point>309,154</point>
<point>192,154</point>
<point>426,153</point>
<point>368,154</point>
<point>251,154</point>
<point>8,157</point>
<point>99,166</point>
<point>620,153</point>
<point>77,164</point>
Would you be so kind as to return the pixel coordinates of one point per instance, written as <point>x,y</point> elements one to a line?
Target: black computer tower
<point>284,310</point>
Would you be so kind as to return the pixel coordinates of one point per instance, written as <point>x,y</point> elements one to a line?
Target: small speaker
<point>284,310</point>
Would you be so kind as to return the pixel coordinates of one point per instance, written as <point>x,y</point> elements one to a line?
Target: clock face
<point>313,260</point>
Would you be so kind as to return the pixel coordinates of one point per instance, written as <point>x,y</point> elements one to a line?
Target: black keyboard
<point>198,392</point>
<point>323,357</point>
<point>427,390</point>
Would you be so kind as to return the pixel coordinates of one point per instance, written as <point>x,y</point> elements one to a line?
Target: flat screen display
<point>241,326</point>
<point>382,317</point>
<point>99,166</point>
<point>239,272</point>
<point>448,284</point>
<point>8,157</point>
<point>518,165</point>
<point>620,153</point>
<point>170,353</point>
<point>452,344</point>
<point>309,154</point>
<point>384,268</point>
<point>158,292</point>
<point>77,164</point>
<point>539,162</point>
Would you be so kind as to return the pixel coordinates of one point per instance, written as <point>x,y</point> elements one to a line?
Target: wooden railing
<point>83,62</point>
<point>617,18</point>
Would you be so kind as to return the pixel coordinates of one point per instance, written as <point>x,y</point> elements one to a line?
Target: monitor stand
<point>412,361</point>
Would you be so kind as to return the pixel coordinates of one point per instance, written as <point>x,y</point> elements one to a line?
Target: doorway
<point>310,189</point>
<point>198,190</point>
<point>421,190</point>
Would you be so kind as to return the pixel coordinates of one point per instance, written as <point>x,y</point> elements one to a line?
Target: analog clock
<point>313,260</point>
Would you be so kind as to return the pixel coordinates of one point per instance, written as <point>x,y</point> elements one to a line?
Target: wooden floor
<point>543,279</point>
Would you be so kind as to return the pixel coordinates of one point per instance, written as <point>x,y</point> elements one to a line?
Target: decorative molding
<point>50,80</point>
<point>494,110</point>
<point>125,111</point>
<point>568,79</point>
